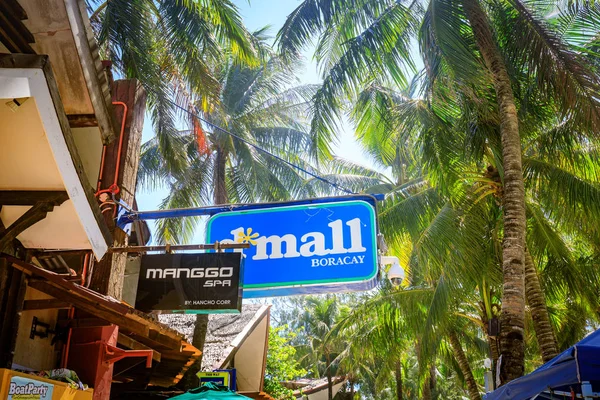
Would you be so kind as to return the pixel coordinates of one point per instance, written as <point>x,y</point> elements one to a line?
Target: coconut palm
<point>383,327</point>
<point>478,44</point>
<point>385,120</point>
<point>317,319</point>
<point>227,157</point>
<point>241,151</point>
<point>171,47</point>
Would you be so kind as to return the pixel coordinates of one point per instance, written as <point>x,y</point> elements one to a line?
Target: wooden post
<point>107,275</point>
<point>6,312</point>
<point>11,314</point>
<point>4,287</point>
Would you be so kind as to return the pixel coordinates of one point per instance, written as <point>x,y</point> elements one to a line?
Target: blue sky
<point>257,14</point>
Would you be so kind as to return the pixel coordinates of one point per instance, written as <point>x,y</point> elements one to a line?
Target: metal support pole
<point>143,249</point>
<point>174,247</point>
<point>588,392</point>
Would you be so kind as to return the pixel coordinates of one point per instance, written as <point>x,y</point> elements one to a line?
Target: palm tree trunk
<point>465,368</point>
<point>539,312</point>
<point>220,193</point>
<point>329,380</point>
<point>494,353</point>
<point>426,390</point>
<point>426,395</point>
<point>432,377</point>
<point>398,380</point>
<point>201,327</point>
<point>512,319</point>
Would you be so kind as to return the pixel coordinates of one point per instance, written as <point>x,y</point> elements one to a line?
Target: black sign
<point>190,283</point>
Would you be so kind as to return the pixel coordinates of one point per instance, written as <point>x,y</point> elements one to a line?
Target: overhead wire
<point>257,147</point>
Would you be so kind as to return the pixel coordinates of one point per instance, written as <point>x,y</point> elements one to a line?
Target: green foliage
<point>437,137</point>
<point>282,364</point>
<point>261,107</point>
<point>171,47</point>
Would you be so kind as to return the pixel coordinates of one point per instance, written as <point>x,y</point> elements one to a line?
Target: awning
<point>137,331</point>
<point>49,168</point>
<point>560,378</point>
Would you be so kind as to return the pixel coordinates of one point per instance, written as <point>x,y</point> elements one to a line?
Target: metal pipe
<point>588,395</point>
<point>65,353</point>
<point>86,261</point>
<point>216,246</point>
<point>125,219</point>
<point>120,103</point>
<point>114,188</point>
<point>142,249</point>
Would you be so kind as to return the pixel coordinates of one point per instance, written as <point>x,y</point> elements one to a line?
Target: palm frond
<point>560,73</point>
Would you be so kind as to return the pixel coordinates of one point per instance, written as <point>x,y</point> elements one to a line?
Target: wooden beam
<point>133,344</point>
<point>32,216</point>
<point>69,287</point>
<point>54,253</point>
<point>125,324</point>
<point>17,10</point>
<point>107,277</point>
<point>45,304</point>
<point>31,197</point>
<point>93,71</point>
<point>5,273</point>
<point>13,33</point>
<point>41,62</point>
<point>11,317</point>
<point>77,163</point>
<point>165,340</point>
<point>82,120</point>
<point>23,61</point>
<point>89,323</point>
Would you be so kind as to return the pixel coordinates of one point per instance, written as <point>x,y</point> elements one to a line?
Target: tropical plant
<point>282,364</point>
<point>466,217</point>
<point>171,47</point>
<point>483,47</point>
<point>318,318</point>
<point>241,149</point>
<point>383,330</point>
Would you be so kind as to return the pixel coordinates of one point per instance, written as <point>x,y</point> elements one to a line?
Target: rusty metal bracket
<point>41,334</point>
<point>112,354</point>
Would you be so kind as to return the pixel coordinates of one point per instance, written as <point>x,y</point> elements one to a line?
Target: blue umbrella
<point>575,370</point>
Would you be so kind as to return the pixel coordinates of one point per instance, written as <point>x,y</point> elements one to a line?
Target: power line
<point>322,179</point>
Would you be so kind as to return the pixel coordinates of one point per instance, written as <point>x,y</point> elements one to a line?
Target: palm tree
<point>171,47</point>
<point>239,152</point>
<point>382,327</point>
<point>227,157</point>
<point>318,318</point>
<point>371,340</point>
<point>380,138</point>
<point>477,46</point>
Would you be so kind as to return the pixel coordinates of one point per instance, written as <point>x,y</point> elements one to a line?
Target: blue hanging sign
<point>303,249</point>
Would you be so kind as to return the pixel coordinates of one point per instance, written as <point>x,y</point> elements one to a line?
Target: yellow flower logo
<point>247,237</point>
